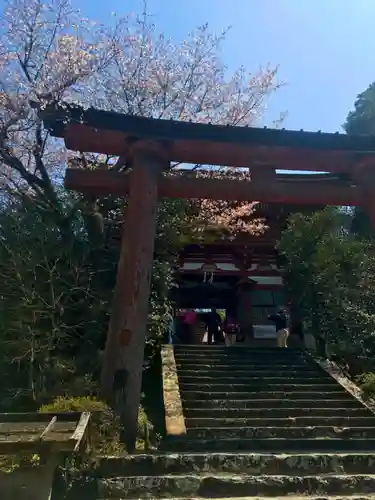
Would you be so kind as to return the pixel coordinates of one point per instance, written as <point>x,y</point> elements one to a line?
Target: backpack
<point>231,327</point>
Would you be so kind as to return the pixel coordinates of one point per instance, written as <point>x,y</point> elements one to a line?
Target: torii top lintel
<point>91,130</point>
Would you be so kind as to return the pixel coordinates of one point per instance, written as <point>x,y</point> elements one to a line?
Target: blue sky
<point>325,48</point>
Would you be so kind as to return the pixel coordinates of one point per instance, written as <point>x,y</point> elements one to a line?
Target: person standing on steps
<point>190,318</point>
<point>170,326</point>
<point>280,318</point>
<point>231,330</point>
<point>213,327</point>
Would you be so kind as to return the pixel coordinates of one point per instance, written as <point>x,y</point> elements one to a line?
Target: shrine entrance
<point>205,287</point>
<point>242,276</point>
<point>149,146</point>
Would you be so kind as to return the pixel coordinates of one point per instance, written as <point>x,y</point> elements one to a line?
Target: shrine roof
<point>110,132</point>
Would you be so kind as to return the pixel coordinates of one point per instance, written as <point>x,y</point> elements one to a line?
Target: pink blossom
<point>50,52</point>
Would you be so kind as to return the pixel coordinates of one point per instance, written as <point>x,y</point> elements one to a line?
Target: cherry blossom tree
<point>223,218</point>
<point>49,53</point>
<point>46,53</point>
<point>154,77</point>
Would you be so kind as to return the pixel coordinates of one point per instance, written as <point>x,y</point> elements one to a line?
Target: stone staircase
<point>260,423</point>
<point>266,400</point>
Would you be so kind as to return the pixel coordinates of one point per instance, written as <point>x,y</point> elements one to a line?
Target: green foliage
<point>361,226</point>
<point>105,429</point>
<point>80,404</point>
<point>55,296</point>
<point>330,277</point>
<point>10,463</point>
<point>48,307</point>
<point>361,120</point>
<point>174,228</point>
<point>367,384</point>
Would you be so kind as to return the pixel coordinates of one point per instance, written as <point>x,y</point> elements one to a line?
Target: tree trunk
<point>123,357</point>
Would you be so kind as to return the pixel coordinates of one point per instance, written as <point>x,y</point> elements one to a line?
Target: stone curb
<point>174,417</point>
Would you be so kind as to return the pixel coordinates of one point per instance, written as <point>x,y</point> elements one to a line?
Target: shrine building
<point>242,274</point>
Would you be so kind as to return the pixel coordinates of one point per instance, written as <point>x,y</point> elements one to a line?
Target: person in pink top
<point>190,317</point>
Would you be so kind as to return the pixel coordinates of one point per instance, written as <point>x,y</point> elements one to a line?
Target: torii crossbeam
<point>150,145</point>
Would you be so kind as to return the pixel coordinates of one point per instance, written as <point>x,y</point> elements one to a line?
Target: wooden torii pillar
<point>123,357</point>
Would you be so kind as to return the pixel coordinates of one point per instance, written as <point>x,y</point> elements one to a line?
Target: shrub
<point>367,384</point>
<point>145,429</point>
<point>105,426</point>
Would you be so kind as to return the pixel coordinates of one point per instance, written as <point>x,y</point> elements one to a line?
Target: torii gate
<point>150,145</point>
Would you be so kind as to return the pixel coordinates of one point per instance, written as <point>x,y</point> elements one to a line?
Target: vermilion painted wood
<point>280,191</point>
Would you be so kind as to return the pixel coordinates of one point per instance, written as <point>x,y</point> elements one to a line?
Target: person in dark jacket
<point>213,327</point>
<point>280,318</point>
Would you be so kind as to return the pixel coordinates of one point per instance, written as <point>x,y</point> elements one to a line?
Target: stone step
<point>337,392</point>
<point>242,366</point>
<point>337,421</point>
<point>241,354</point>
<point>292,432</point>
<point>225,367</point>
<point>240,347</point>
<point>262,386</point>
<point>242,363</point>
<point>237,348</point>
<point>279,354</point>
<point>253,464</point>
<point>256,380</point>
<point>222,485</point>
<point>320,497</point>
<point>265,358</point>
<point>251,372</point>
<point>233,358</point>
<point>272,403</point>
<point>275,445</point>
<point>276,412</point>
